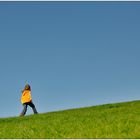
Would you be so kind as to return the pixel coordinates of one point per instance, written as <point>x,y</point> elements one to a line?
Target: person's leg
<point>24,110</point>
<point>33,107</point>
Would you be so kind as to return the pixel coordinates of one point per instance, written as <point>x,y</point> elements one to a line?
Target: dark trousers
<point>25,105</point>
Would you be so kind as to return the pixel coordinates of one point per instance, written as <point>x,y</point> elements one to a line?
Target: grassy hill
<point>121,120</point>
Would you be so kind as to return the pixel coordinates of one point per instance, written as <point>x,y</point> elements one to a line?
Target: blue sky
<point>73,54</point>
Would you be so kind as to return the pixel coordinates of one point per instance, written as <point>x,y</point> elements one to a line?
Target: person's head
<point>27,87</point>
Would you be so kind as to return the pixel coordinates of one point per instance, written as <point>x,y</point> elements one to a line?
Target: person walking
<point>26,100</point>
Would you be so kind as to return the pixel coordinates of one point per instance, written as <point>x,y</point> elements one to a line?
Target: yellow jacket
<point>26,96</point>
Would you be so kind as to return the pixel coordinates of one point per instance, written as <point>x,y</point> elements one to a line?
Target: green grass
<point>121,120</point>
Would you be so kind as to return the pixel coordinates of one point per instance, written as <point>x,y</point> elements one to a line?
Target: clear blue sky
<point>73,54</point>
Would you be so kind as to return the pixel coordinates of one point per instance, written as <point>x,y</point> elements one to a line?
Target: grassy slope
<point>121,120</point>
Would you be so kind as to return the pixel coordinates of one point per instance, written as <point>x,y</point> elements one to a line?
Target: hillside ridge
<point>115,120</point>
